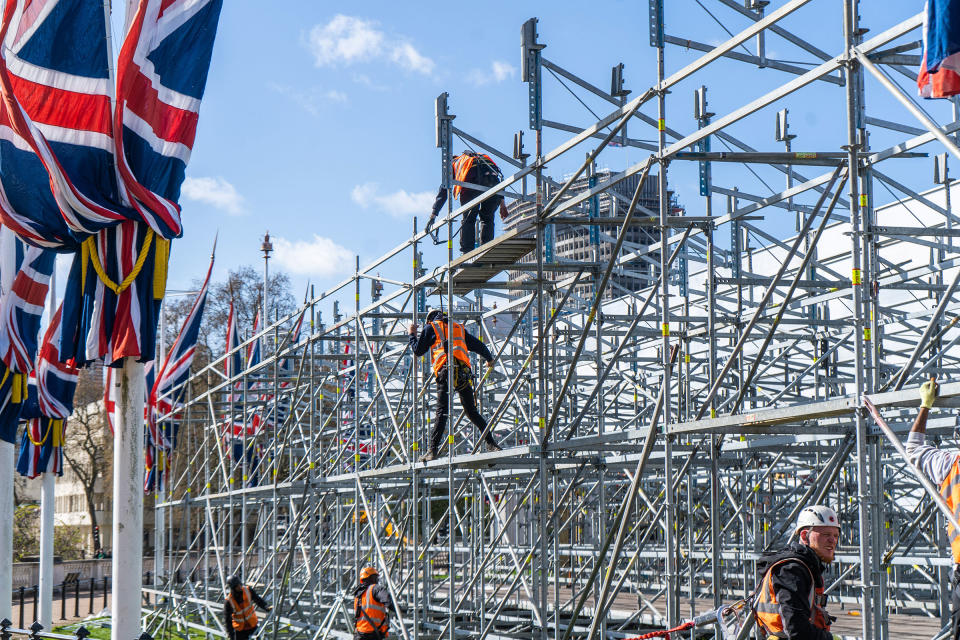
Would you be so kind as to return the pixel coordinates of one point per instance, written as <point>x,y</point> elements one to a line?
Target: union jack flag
<point>176,368</point>
<point>58,172</point>
<point>41,446</point>
<point>106,312</point>
<point>11,387</point>
<point>234,362</point>
<point>253,349</point>
<point>21,309</point>
<point>56,380</point>
<point>50,403</point>
<point>161,76</point>
<point>939,75</point>
<point>152,478</point>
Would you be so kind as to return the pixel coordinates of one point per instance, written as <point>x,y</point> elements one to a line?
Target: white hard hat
<point>817,516</point>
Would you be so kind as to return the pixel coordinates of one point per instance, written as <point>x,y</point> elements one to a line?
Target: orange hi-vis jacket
<point>767,610</point>
<point>950,490</point>
<point>458,344</point>
<point>244,617</point>
<point>372,615</point>
<point>461,168</point>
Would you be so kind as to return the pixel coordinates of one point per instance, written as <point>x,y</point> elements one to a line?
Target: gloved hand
<point>429,226</point>
<point>269,609</point>
<point>928,393</point>
<point>412,329</point>
<point>490,364</point>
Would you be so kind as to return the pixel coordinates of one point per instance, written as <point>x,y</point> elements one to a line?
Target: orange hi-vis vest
<point>244,617</point>
<point>461,168</point>
<point>371,614</point>
<point>950,490</point>
<point>767,610</point>
<point>458,344</point>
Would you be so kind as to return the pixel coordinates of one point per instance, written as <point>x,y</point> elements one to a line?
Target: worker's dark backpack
<point>485,171</point>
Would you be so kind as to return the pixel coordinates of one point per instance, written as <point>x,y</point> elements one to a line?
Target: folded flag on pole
<point>41,447</point>
<point>20,311</point>
<point>57,164</point>
<point>161,76</point>
<point>49,404</point>
<point>118,280</point>
<point>234,362</point>
<point>21,308</point>
<point>940,69</point>
<point>164,395</point>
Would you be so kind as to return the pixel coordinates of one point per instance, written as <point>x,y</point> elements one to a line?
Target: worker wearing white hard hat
<point>791,601</point>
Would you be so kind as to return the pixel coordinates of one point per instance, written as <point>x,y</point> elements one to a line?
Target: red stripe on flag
<point>168,123</point>
<point>61,108</point>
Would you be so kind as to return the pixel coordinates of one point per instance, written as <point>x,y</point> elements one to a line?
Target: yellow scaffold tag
<point>450,439</point>
<point>856,276</point>
<point>661,124</point>
<point>666,329</point>
<point>686,358</point>
<point>866,334</point>
<point>863,199</point>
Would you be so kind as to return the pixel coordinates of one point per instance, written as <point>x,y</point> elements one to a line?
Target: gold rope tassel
<point>57,427</point>
<point>17,391</point>
<point>160,259</point>
<point>89,248</point>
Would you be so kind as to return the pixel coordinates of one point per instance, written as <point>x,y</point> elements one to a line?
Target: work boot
<point>491,445</point>
<point>429,455</point>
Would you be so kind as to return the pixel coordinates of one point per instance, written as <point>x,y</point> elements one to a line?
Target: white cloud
<point>216,192</point>
<point>405,55</point>
<point>321,257</point>
<point>347,40</point>
<point>398,204</point>
<point>312,99</point>
<point>497,73</point>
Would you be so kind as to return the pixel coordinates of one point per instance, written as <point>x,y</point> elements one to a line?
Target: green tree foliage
<point>67,541</point>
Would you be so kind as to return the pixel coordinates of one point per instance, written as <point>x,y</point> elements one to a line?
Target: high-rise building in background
<point>585,243</point>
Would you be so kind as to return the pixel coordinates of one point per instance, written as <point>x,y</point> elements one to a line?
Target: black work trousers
<point>464,387</point>
<point>243,635</point>
<point>955,604</point>
<point>486,211</point>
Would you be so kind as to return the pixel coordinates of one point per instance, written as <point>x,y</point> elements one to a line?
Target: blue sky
<point>318,125</point>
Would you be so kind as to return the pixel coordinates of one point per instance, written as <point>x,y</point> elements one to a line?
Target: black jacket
<point>421,345</point>
<point>791,583</point>
<point>228,609</point>
<point>382,595</point>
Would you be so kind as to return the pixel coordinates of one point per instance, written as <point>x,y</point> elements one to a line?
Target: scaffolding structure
<point>655,441</point>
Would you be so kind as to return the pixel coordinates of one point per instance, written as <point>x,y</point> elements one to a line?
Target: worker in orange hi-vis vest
<point>371,607</point>
<point>448,340</point>
<point>790,602</point>
<point>480,170</point>
<point>239,617</point>
<point>943,468</point>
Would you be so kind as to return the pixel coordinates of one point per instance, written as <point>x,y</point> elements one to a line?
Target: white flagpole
<point>127,566</point>
<point>128,502</point>
<point>48,496</point>
<point>8,257</point>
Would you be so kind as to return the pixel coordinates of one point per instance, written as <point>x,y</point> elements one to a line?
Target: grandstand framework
<point>655,441</point>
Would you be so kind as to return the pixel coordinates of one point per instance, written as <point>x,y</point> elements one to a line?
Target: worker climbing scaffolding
<point>475,169</point>
<point>449,344</point>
